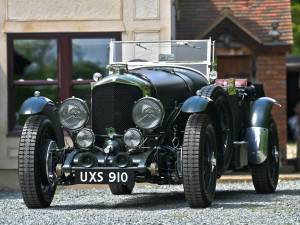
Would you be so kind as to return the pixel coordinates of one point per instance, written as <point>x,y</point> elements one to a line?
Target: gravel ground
<point>235,203</point>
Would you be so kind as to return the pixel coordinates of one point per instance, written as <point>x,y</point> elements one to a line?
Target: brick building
<point>253,38</point>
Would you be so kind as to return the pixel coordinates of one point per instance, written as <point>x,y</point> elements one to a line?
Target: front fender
<point>260,113</point>
<point>196,104</point>
<point>44,106</point>
<point>34,105</point>
<point>257,134</point>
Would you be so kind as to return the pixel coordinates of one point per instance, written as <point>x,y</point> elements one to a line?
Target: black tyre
<point>219,96</point>
<point>121,189</point>
<point>265,176</point>
<point>199,161</point>
<point>36,162</point>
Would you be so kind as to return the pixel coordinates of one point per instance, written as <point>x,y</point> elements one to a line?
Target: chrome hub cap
<point>51,147</point>
<point>276,153</point>
<point>213,162</point>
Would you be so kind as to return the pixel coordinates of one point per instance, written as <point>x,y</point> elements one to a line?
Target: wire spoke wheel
<point>199,161</point>
<point>48,166</point>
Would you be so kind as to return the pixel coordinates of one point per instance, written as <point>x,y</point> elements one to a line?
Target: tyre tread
<point>27,159</point>
<point>194,193</point>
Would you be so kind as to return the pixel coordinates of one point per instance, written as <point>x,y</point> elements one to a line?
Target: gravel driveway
<point>235,203</point>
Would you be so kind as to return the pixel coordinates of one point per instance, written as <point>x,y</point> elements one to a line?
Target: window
<point>88,55</point>
<point>57,65</point>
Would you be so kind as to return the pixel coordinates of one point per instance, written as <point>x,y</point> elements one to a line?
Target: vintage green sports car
<point>159,115</point>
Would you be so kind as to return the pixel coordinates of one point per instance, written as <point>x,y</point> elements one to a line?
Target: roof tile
<point>255,15</point>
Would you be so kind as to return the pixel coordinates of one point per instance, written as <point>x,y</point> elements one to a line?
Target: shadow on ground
<point>175,200</point>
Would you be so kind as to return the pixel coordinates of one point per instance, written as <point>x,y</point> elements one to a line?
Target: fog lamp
<point>85,138</point>
<point>133,138</point>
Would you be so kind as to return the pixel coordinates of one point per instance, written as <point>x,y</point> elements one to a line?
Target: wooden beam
<point>64,67</point>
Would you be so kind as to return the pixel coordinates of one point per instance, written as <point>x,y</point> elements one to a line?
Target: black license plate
<point>104,177</point>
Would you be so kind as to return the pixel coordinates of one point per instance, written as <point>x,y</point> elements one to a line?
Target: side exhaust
<point>257,134</point>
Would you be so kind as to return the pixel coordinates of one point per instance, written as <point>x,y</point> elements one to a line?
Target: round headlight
<point>85,138</point>
<point>73,113</point>
<point>148,113</point>
<point>133,138</point>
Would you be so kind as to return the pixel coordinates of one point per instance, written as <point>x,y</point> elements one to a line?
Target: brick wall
<point>271,71</point>
<point>256,16</point>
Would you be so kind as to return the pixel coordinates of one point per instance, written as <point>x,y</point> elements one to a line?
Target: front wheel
<point>199,161</point>
<point>265,176</point>
<point>36,162</point>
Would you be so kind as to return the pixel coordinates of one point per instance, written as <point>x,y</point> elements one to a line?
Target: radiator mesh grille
<point>112,106</point>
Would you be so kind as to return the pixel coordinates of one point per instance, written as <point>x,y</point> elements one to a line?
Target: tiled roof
<point>256,15</point>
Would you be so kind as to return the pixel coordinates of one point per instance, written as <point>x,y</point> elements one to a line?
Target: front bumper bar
<point>139,170</point>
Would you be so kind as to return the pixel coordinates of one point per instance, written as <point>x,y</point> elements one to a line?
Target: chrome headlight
<point>85,138</point>
<point>133,138</point>
<point>148,113</point>
<point>73,113</point>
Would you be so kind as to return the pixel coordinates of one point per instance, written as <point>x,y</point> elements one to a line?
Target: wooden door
<point>234,66</point>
